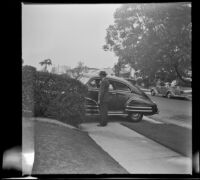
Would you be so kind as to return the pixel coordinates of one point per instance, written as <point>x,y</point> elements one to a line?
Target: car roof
<point>120,79</point>
<point>116,78</point>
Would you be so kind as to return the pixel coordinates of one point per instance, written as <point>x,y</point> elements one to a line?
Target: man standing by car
<point>103,98</point>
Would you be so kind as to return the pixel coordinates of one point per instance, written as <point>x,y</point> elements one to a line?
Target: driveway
<point>136,153</point>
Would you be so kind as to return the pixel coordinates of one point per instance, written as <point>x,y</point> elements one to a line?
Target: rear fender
<point>134,105</point>
<point>137,102</point>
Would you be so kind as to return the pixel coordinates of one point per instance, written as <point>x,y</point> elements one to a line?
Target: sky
<point>67,34</point>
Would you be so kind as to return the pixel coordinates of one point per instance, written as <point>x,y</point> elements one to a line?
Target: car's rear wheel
<point>135,117</point>
<point>153,93</point>
<point>169,95</point>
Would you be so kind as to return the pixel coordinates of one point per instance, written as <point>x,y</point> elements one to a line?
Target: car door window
<point>111,88</point>
<point>122,87</point>
<point>111,85</point>
<point>95,83</point>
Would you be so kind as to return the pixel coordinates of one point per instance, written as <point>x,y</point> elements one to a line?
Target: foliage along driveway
<point>61,150</point>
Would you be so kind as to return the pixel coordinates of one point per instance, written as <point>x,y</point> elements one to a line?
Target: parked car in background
<point>124,99</point>
<point>169,91</point>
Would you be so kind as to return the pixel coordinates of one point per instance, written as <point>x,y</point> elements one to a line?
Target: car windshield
<point>84,79</point>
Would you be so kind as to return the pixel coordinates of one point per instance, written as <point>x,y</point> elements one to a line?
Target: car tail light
<point>155,108</point>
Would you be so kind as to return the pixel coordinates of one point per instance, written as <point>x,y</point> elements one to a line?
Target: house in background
<point>109,71</point>
<point>95,71</point>
<point>128,72</point>
<point>60,69</point>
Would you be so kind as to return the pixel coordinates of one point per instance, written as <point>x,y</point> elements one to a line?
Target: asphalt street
<point>173,111</point>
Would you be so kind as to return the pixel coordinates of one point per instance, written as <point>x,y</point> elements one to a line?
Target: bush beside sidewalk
<point>53,96</point>
<point>62,150</point>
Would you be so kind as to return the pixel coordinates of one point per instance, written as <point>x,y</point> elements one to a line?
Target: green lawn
<point>172,136</point>
<point>61,150</point>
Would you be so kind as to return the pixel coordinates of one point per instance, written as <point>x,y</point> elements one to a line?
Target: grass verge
<point>172,136</point>
<point>61,150</point>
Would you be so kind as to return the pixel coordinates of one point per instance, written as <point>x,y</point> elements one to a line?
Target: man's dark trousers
<point>103,99</point>
<point>103,112</point>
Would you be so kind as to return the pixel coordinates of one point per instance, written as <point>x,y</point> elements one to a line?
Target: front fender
<point>91,106</point>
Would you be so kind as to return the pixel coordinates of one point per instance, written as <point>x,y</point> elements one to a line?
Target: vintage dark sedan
<point>124,98</point>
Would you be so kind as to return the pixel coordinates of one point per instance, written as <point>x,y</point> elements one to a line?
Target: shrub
<point>58,97</point>
<point>68,108</point>
<point>28,83</point>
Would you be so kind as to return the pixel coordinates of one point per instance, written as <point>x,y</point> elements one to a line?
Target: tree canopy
<point>45,63</point>
<point>153,38</point>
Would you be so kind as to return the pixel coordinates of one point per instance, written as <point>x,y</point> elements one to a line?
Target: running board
<point>139,110</point>
<point>109,114</point>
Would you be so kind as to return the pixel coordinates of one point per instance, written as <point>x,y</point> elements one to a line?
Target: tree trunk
<point>180,76</point>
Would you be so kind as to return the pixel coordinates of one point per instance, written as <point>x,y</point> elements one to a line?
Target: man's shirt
<point>103,90</point>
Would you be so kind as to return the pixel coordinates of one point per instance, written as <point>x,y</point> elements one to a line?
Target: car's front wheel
<point>135,117</point>
<point>169,95</point>
<point>153,92</point>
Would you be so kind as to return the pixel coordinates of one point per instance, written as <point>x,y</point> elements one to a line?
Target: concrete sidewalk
<point>136,153</point>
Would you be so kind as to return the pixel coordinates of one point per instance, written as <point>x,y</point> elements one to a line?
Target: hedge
<point>51,95</point>
<point>28,84</point>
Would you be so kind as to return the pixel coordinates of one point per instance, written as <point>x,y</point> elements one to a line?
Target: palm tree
<point>46,62</point>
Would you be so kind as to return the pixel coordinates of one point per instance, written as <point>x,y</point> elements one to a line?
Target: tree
<point>152,38</point>
<point>45,63</point>
<point>118,67</point>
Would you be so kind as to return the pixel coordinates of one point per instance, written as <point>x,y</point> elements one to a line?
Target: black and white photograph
<point>106,89</point>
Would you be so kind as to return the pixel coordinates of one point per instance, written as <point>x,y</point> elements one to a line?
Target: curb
<point>153,120</point>
<point>168,121</point>
<point>53,121</point>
